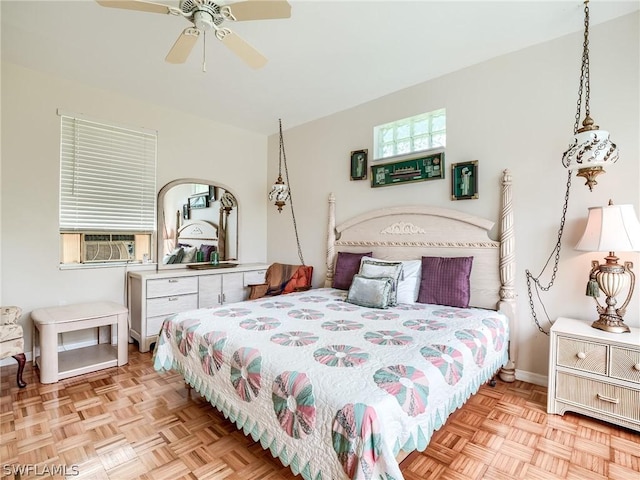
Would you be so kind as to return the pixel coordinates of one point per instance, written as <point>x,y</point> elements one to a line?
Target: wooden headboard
<point>198,232</point>
<point>411,232</point>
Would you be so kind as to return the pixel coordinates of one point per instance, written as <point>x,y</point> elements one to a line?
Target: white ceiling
<point>329,56</point>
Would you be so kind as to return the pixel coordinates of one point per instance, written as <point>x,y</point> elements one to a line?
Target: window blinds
<point>107,177</point>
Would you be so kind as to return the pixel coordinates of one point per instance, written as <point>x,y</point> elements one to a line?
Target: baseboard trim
<point>530,377</point>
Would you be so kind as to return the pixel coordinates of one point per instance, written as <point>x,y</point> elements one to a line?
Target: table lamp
<point>609,229</point>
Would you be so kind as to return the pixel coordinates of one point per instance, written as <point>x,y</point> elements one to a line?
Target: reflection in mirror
<point>196,218</point>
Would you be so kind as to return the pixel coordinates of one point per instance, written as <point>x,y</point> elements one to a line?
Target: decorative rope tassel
<point>593,290</point>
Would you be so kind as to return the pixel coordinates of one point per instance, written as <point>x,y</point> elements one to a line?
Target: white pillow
<point>376,268</point>
<point>409,286</point>
<point>189,254</point>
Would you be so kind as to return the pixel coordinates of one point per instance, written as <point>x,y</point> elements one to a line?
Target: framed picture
<point>419,169</point>
<point>359,164</point>
<point>185,211</point>
<point>464,180</point>
<point>200,200</point>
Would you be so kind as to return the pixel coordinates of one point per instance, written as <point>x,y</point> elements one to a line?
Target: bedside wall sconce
<point>610,229</point>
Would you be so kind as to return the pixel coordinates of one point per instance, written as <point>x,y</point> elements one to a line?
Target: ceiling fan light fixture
<point>203,20</point>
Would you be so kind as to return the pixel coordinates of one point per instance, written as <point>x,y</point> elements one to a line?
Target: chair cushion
<point>11,340</point>
<point>10,315</point>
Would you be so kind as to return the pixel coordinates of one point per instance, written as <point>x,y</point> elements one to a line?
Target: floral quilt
<point>333,389</point>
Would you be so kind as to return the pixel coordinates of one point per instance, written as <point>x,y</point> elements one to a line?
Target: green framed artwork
<point>359,164</point>
<point>464,180</point>
<point>419,169</point>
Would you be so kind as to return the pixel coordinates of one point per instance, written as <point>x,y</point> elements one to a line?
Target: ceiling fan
<point>207,15</point>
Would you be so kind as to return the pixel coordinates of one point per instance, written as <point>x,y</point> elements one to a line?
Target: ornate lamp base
<point>611,278</point>
<point>611,324</point>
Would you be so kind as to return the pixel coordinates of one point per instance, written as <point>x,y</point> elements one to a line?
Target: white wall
<point>188,147</point>
<point>516,111</point>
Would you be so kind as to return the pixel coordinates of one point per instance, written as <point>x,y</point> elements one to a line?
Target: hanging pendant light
<point>279,193</point>
<point>591,148</point>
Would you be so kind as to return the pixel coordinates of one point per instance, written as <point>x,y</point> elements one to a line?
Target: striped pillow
<point>445,281</point>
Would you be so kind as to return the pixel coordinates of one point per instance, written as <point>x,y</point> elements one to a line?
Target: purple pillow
<point>206,250</point>
<point>347,265</point>
<point>445,281</point>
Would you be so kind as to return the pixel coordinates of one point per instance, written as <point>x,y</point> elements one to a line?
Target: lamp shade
<point>589,149</point>
<point>613,228</point>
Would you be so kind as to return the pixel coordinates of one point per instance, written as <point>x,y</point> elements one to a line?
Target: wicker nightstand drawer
<point>600,396</point>
<point>582,355</point>
<point>625,364</point>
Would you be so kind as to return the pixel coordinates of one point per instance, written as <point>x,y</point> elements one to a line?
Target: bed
<point>193,236</point>
<point>337,390</point>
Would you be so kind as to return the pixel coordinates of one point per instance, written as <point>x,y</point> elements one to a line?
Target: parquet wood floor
<point>133,423</point>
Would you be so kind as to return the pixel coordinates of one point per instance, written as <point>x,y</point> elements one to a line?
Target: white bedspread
<point>332,389</point>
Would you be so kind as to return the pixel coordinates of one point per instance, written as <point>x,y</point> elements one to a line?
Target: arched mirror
<point>195,218</point>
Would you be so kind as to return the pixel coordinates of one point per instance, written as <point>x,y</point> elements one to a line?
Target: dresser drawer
<point>599,396</point>
<point>582,355</point>
<point>154,324</point>
<point>161,287</point>
<point>172,304</point>
<point>625,364</point>
<point>254,278</point>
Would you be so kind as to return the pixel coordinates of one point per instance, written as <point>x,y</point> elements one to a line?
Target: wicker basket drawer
<point>169,305</point>
<point>625,364</point>
<point>161,287</point>
<point>610,399</point>
<point>581,355</point>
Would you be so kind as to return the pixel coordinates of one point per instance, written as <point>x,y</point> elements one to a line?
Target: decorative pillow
<point>409,286</point>
<point>374,268</point>
<point>347,265</point>
<point>445,281</point>
<point>174,257</point>
<point>189,254</point>
<point>370,292</point>
<point>206,251</point>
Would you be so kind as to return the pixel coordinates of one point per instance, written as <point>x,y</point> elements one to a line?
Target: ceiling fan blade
<point>260,9</point>
<point>183,46</point>
<point>134,5</point>
<point>242,49</point>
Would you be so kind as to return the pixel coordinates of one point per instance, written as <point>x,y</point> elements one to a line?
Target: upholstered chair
<point>12,340</point>
<point>281,278</point>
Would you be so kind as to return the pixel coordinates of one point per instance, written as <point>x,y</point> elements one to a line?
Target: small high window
<point>419,133</point>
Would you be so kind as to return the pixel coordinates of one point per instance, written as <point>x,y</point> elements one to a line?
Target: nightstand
<point>594,373</point>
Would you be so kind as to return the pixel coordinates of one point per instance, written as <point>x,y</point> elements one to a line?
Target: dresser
<point>594,373</point>
<point>154,295</point>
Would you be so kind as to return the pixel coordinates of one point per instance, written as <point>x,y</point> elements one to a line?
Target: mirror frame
<point>160,217</point>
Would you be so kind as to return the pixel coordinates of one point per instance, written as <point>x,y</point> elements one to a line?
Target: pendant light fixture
<point>589,151</point>
<point>280,193</point>
<point>591,148</point>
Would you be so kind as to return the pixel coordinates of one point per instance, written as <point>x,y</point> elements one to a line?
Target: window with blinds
<point>107,191</point>
<point>419,133</point>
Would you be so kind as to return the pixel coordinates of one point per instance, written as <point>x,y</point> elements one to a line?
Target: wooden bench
<point>49,322</point>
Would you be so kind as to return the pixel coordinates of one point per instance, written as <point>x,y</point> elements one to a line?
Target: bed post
<point>331,240</point>
<point>507,303</point>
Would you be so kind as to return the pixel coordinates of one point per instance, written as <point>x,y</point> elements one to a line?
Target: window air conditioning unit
<point>100,248</point>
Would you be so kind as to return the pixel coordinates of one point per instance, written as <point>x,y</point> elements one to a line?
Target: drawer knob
<point>581,355</point>
<point>173,280</point>
<point>173,299</point>
<point>637,366</point>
